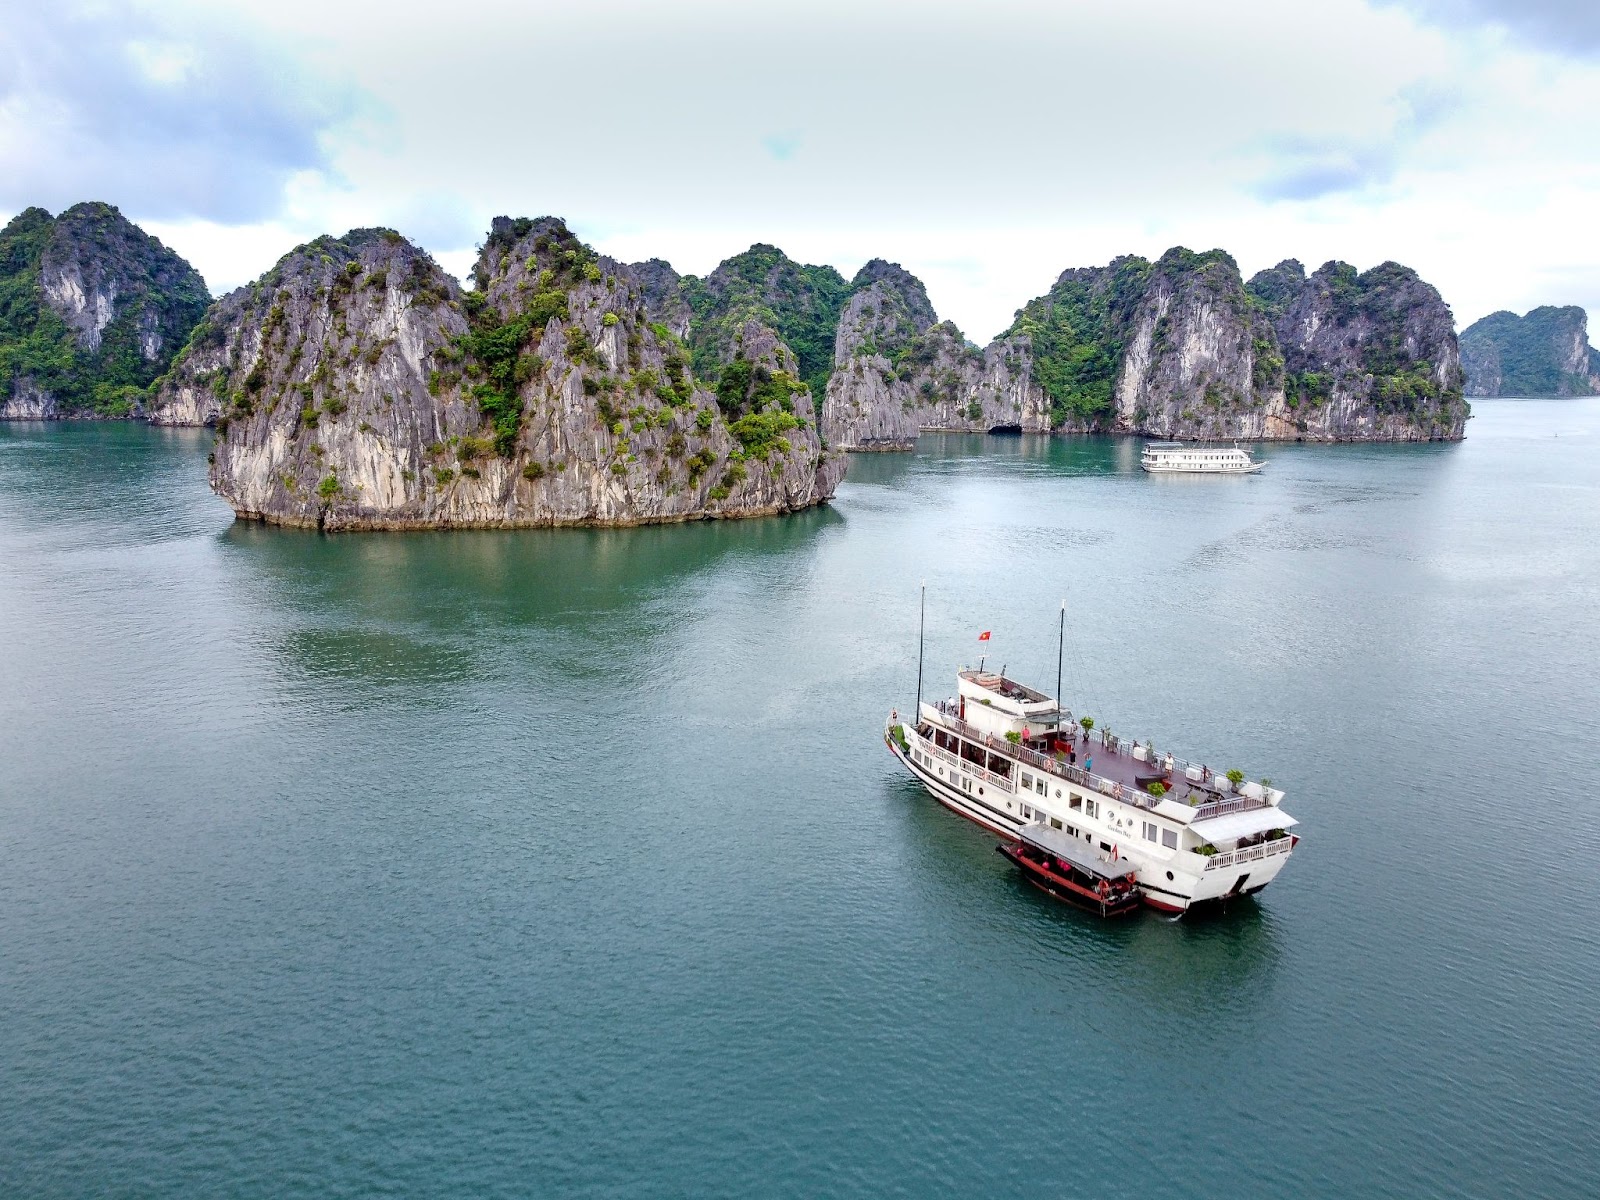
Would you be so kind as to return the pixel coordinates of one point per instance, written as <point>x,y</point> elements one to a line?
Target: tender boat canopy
<point>1243,824</point>
<point>1079,854</point>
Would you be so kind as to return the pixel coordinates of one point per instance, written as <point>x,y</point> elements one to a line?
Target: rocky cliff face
<point>92,310</point>
<point>1198,359</point>
<point>1177,348</point>
<point>1545,353</point>
<point>1182,348</point>
<point>662,290</point>
<point>898,372</point>
<point>1368,356</point>
<point>359,388</point>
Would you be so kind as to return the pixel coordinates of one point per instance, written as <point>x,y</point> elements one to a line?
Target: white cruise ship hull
<point>1169,880</point>
<point>1175,458</point>
<point>1159,469</point>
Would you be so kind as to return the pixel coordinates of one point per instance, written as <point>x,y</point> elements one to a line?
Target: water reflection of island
<point>389,612</point>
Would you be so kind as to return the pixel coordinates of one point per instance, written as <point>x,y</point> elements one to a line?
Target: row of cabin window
<point>1069,830</point>
<point>1154,832</point>
<point>973,753</point>
<point>1037,783</point>
<point>961,781</point>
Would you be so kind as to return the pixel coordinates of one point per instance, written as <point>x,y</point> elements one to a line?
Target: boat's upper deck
<point>1008,689</point>
<point>1110,764</point>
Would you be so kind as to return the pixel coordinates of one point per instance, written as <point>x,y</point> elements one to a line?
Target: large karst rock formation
<point>1545,353</point>
<point>1180,348</point>
<point>356,386</point>
<point>92,311</point>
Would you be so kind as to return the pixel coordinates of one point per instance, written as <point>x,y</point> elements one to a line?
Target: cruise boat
<point>1170,458</point>
<point>1013,760</point>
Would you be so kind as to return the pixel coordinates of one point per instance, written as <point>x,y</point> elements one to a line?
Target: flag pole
<point>922,623</point>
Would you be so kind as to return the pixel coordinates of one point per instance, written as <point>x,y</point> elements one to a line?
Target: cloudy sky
<point>986,147</point>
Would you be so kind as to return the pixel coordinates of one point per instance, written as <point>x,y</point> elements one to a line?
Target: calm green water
<point>572,864</point>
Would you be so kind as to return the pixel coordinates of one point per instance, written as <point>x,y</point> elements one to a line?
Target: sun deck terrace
<point>1121,769</point>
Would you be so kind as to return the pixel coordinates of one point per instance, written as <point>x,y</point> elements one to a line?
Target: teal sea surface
<point>572,863</point>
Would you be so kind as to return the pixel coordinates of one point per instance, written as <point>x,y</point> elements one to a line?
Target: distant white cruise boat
<point>1173,457</point>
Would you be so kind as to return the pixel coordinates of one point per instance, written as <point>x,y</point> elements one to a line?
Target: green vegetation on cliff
<point>1545,353</point>
<point>800,303</point>
<point>495,352</point>
<point>1340,326</point>
<point>136,304</point>
<point>1078,331</point>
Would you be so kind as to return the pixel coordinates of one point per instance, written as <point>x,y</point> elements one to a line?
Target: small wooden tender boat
<point>1071,870</point>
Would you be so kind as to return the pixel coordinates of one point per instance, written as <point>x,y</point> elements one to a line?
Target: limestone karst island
<point>357,385</point>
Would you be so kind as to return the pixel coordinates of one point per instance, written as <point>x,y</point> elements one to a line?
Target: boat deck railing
<point>1199,779</point>
<point>1232,858</point>
<point>1041,762</point>
<point>972,768</point>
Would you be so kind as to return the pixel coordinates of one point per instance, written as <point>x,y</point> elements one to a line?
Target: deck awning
<point>1243,824</point>
<point>1054,717</point>
<point>1079,853</point>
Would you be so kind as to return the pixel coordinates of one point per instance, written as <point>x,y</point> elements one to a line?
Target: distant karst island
<point>358,385</point>
<point>92,311</point>
<point>1545,353</point>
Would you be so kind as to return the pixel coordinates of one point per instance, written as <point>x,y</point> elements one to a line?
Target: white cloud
<point>1565,26</point>
<point>165,117</point>
<point>984,148</point>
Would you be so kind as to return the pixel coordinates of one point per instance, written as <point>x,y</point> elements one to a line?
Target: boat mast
<point>1061,641</point>
<point>922,623</point>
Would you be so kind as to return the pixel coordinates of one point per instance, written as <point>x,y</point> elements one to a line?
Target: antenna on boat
<point>922,623</point>
<point>1061,641</point>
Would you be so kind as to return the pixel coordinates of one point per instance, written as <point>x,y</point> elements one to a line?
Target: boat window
<point>1039,786</point>
<point>1027,812</point>
<point>1149,832</point>
<point>1169,838</point>
<point>1055,823</point>
<point>1076,801</point>
<point>1091,809</point>
<point>1027,780</point>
